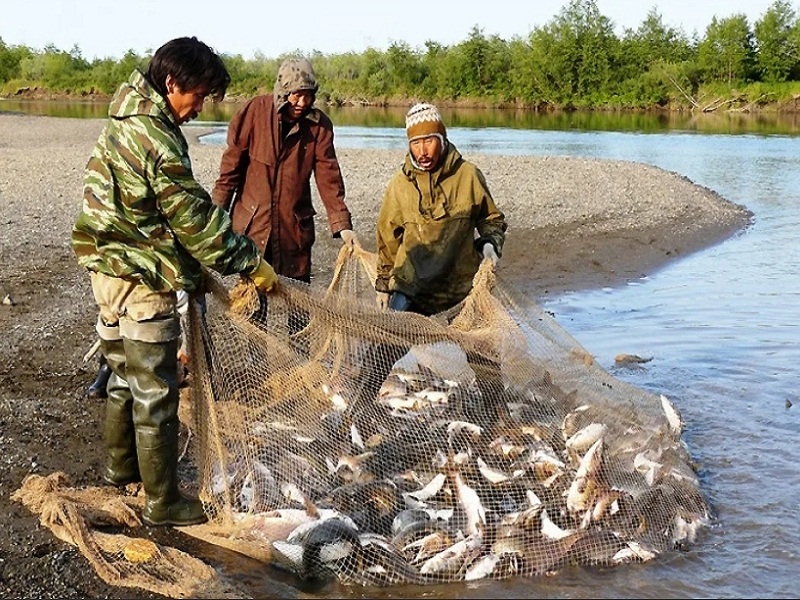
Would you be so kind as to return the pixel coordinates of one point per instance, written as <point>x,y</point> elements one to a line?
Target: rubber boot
<point>122,464</point>
<point>152,371</point>
<point>97,390</point>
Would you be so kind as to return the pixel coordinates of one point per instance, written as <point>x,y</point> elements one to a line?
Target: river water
<point>722,328</point>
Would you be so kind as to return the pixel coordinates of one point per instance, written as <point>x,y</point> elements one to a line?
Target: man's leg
<point>153,377</point>
<point>150,330</point>
<point>122,466</point>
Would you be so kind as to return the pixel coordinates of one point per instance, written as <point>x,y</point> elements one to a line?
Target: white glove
<point>382,300</point>
<point>490,253</point>
<point>349,238</point>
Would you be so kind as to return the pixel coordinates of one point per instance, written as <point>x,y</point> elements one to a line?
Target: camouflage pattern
<point>144,216</point>
<point>426,231</point>
<point>294,74</point>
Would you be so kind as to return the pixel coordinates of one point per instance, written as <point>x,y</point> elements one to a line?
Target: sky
<point>109,28</point>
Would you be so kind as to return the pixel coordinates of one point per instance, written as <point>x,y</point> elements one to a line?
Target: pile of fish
<point>421,488</point>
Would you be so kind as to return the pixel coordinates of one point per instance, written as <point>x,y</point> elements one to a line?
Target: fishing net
<point>335,440</point>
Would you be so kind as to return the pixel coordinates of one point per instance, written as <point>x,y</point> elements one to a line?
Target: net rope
<point>335,440</point>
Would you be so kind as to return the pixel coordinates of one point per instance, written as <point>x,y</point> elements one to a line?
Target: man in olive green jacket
<point>436,224</point>
<point>146,228</point>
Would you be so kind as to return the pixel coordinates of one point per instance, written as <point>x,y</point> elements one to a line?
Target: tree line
<point>574,61</point>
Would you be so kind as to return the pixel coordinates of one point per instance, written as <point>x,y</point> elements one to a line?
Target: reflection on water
<point>393,117</point>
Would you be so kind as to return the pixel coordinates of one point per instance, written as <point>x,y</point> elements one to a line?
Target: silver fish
<point>455,559</point>
<point>471,503</point>
<point>317,551</point>
<point>418,498</point>
<point>584,486</point>
<point>483,567</point>
<point>673,416</point>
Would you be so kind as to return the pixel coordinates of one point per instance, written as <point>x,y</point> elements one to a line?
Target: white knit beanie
<point>423,120</point>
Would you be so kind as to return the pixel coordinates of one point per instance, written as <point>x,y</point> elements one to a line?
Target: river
<point>722,328</point>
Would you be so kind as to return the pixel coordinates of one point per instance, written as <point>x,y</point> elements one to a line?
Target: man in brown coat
<point>275,142</point>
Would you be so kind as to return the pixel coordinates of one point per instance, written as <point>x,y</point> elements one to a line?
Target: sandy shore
<point>573,224</point>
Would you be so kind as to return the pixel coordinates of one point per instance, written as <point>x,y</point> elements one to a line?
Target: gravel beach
<point>573,224</point>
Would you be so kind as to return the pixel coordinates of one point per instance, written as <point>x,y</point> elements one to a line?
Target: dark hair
<point>192,64</point>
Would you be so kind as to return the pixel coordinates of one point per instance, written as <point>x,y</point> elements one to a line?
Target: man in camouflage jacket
<point>146,228</point>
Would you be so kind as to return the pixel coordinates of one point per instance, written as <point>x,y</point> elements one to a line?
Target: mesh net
<point>335,440</point>
<point>342,441</point>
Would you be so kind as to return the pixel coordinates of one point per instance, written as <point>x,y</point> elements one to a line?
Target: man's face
<point>426,151</point>
<point>299,104</point>
<point>185,105</point>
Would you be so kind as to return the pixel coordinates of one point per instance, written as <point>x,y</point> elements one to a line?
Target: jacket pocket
<point>242,216</point>
<point>305,226</point>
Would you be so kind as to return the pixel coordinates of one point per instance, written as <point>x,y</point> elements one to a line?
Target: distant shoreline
<point>732,105</point>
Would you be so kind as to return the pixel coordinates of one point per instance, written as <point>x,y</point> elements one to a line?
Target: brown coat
<point>264,182</point>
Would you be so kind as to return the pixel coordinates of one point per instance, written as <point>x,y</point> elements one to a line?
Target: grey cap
<point>294,74</point>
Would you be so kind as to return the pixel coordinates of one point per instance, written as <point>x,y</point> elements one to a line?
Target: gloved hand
<point>382,300</point>
<point>264,277</point>
<point>490,253</point>
<point>349,237</point>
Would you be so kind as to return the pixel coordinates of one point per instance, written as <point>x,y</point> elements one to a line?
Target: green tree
<point>374,78</point>
<point>405,69</point>
<point>653,41</point>
<point>777,54</point>
<point>574,57</point>
<point>649,61</point>
<point>433,61</point>
<point>521,80</point>
<point>727,52</point>
<point>10,59</point>
<point>482,65</point>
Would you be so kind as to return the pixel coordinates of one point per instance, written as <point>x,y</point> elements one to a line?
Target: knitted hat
<point>423,120</point>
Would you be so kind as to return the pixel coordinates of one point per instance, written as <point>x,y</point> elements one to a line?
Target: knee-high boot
<point>98,388</point>
<point>152,371</point>
<point>122,464</point>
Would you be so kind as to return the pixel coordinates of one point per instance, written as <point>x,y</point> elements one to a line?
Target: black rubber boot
<point>97,390</point>
<point>152,371</point>
<point>122,464</point>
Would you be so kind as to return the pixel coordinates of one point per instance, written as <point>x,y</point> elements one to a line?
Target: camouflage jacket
<point>427,246</point>
<point>144,216</point>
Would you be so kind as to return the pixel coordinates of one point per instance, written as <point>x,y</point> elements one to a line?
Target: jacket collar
<point>137,97</point>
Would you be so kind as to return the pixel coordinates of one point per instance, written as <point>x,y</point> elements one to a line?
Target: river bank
<point>573,224</point>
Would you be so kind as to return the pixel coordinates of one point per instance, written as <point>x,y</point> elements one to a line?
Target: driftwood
<point>746,108</point>
<point>712,106</point>
<point>720,102</point>
<point>681,90</point>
